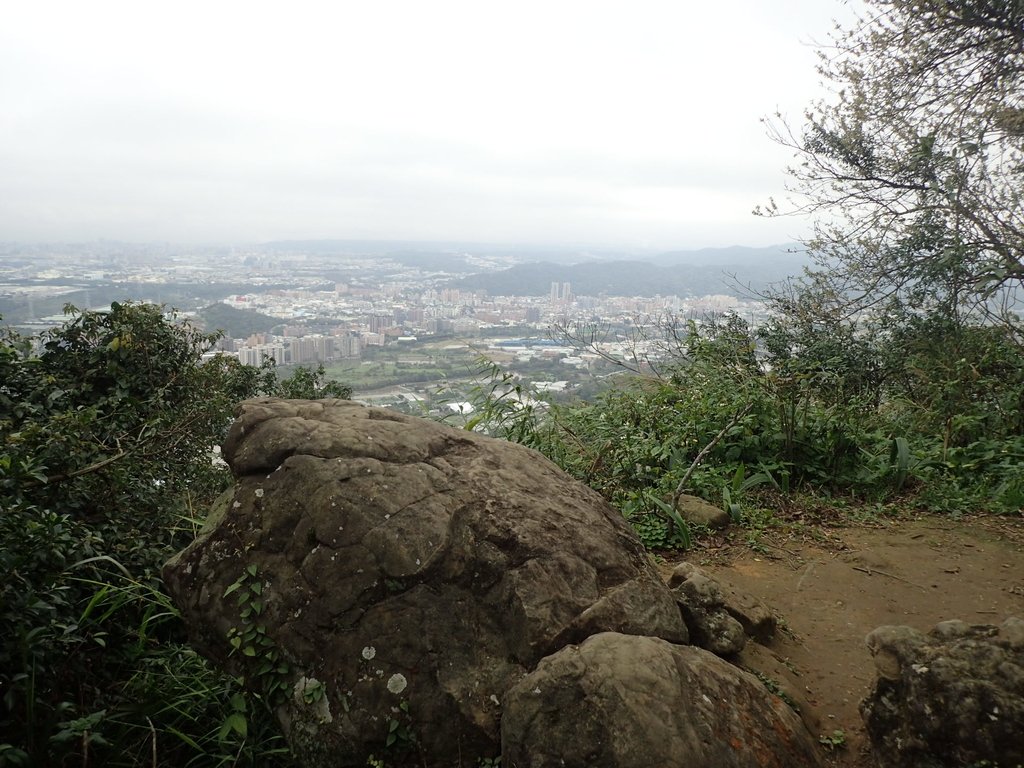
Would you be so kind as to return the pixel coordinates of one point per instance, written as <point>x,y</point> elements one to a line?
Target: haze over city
<point>571,123</point>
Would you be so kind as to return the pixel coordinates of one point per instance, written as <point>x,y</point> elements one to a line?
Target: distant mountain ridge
<point>783,256</point>
<point>681,273</point>
<point>592,272</point>
<point>416,249</point>
<point>425,252</point>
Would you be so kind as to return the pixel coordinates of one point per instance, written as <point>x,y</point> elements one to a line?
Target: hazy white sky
<point>567,121</point>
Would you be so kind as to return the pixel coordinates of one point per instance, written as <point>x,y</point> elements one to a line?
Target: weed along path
<point>830,592</point>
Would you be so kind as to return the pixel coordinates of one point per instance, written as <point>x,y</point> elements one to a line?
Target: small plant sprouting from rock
<point>833,741</point>
<point>313,692</point>
<point>267,669</point>
<point>236,722</point>
<point>776,689</point>
<point>400,736</point>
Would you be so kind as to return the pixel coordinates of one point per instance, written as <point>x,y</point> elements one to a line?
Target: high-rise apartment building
<point>561,293</point>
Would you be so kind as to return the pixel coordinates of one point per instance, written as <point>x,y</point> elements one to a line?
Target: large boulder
<point>387,579</point>
<point>617,701</point>
<point>953,697</point>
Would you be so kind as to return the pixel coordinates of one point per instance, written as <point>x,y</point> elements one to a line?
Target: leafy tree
<point>108,424</point>
<point>310,384</point>
<point>915,168</point>
<point>236,323</point>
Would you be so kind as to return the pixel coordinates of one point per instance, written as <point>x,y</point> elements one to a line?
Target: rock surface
<point>719,616</point>
<point>618,701</point>
<point>953,697</point>
<point>408,574</point>
<point>696,511</point>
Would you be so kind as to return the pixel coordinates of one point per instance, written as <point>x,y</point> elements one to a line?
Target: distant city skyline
<point>573,123</point>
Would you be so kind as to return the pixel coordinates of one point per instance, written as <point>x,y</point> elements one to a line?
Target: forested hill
<point>236,323</point>
<point>687,273</point>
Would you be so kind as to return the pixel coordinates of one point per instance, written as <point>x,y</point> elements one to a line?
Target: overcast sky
<point>561,121</point>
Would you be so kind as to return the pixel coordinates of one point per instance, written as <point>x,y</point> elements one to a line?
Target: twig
<point>807,572</point>
<point>705,451</point>
<point>873,571</point>
<point>84,470</point>
<point>152,730</point>
<point>238,755</point>
<point>175,431</point>
<point>789,552</point>
<point>598,459</point>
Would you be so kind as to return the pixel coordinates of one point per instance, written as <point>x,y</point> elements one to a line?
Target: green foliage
<point>108,430</point>
<point>943,397</point>
<point>775,688</point>
<point>503,407</point>
<point>909,327</point>
<point>740,484</point>
<point>266,668</point>
<point>911,406</point>
<point>400,736</point>
<point>310,384</point>
<point>636,443</point>
<point>916,162</point>
<point>236,323</point>
<point>833,741</point>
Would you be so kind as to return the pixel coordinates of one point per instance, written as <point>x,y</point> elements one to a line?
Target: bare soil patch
<point>829,591</point>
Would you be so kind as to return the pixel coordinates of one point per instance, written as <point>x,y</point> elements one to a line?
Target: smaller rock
<point>703,607</point>
<point>952,629</point>
<point>696,511</point>
<point>756,618</point>
<point>1011,634</point>
<point>682,572</point>
<point>892,647</point>
<point>625,701</point>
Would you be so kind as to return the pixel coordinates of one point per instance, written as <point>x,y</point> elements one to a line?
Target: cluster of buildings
<point>325,325</point>
<point>316,348</point>
<point>330,307</point>
<point>320,325</point>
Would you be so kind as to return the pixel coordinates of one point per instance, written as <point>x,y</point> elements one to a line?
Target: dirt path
<point>830,594</point>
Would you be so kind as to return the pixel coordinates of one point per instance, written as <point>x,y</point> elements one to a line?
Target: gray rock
<point>404,571</point>
<point>618,701</point>
<point>891,647</point>
<point>696,511</point>
<point>1011,634</point>
<point>951,630</point>
<point>702,604</point>
<point>757,619</point>
<point>951,698</point>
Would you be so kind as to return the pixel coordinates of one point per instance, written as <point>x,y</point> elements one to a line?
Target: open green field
<point>390,367</point>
